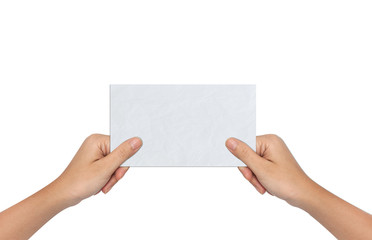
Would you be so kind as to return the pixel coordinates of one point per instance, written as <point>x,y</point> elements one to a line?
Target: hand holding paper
<point>92,169</point>
<point>273,167</point>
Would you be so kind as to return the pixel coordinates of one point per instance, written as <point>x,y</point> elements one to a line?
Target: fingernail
<point>135,143</point>
<point>231,144</point>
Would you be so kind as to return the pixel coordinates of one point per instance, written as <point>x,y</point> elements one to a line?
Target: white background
<point>311,61</point>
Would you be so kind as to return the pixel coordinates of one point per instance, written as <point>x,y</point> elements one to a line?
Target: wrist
<point>61,194</point>
<point>307,191</point>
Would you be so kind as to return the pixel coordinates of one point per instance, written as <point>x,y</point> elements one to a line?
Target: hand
<point>272,168</point>
<point>94,168</point>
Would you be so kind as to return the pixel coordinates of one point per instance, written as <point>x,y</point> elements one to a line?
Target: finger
<point>242,151</point>
<point>249,175</point>
<point>261,189</point>
<point>109,184</point>
<point>123,152</point>
<point>118,174</point>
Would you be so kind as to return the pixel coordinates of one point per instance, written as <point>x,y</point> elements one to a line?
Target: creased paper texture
<point>183,125</point>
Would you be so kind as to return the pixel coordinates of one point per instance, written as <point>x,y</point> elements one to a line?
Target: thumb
<point>242,151</point>
<point>123,152</point>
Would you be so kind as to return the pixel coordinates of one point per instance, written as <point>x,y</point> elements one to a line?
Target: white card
<point>183,125</point>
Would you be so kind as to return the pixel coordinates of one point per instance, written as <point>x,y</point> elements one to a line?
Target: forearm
<point>342,219</point>
<point>22,220</point>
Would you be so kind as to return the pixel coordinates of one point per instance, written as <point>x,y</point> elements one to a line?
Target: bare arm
<point>93,169</point>
<point>274,169</point>
<point>342,219</point>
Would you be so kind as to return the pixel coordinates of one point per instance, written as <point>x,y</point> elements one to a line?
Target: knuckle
<point>274,138</point>
<point>95,137</point>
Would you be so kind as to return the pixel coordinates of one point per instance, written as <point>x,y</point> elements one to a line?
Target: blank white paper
<point>183,125</point>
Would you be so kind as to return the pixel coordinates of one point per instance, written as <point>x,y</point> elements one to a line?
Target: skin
<point>272,169</point>
<point>93,169</point>
<point>275,170</point>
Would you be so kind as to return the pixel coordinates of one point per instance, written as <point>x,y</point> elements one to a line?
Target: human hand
<point>94,168</point>
<point>272,168</point>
